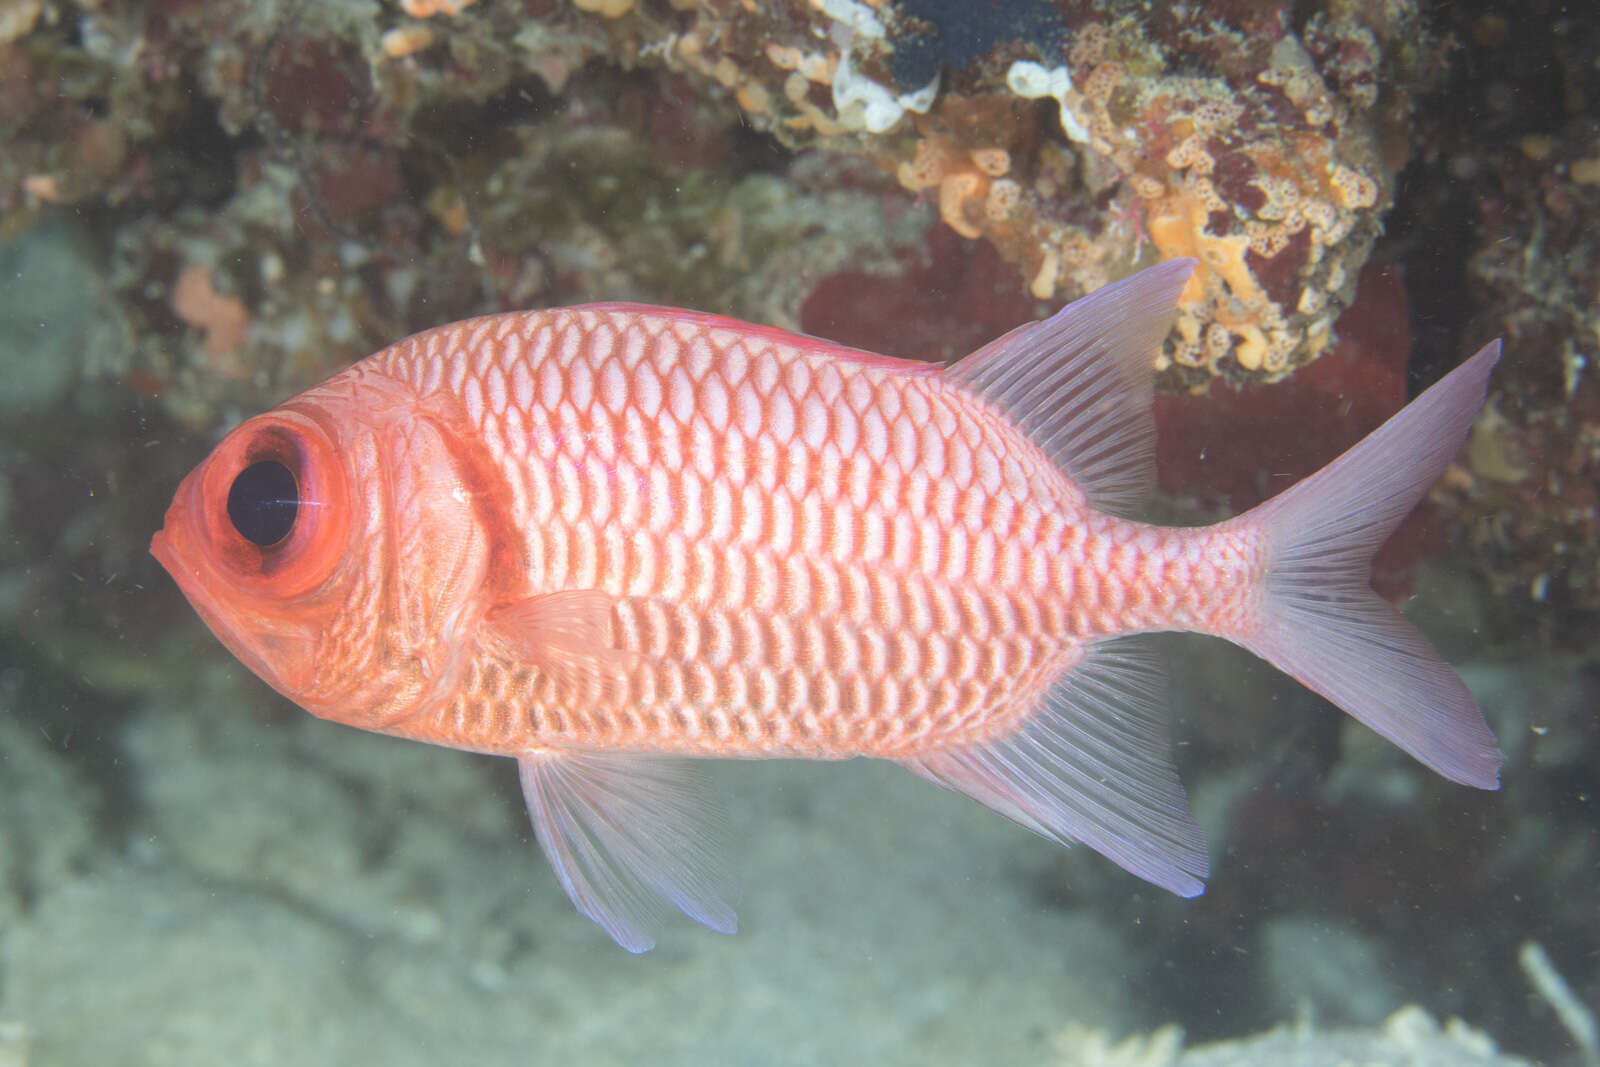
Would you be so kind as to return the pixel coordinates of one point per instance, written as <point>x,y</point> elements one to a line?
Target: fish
<point>612,540</point>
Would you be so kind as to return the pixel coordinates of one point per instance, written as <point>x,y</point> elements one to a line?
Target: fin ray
<point>1319,619</point>
<point>630,837</point>
<point>566,633</point>
<point>1081,382</point>
<point>1094,764</point>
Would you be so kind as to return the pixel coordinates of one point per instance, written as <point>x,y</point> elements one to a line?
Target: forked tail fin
<point>1321,622</point>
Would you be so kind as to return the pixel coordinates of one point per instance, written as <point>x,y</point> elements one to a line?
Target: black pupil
<point>263,503</point>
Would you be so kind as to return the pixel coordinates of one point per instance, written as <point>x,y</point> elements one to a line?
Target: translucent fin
<point>1080,382</point>
<point>567,634</point>
<point>1321,622</point>
<point>1092,764</point>
<point>630,837</point>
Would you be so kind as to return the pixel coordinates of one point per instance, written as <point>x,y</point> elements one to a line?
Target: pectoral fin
<point>566,634</point>
<point>630,837</point>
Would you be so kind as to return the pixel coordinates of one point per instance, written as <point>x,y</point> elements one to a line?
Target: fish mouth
<point>173,549</point>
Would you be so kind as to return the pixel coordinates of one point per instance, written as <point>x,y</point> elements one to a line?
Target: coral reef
<point>1230,136</point>
<point>1080,143</point>
<point>1529,491</point>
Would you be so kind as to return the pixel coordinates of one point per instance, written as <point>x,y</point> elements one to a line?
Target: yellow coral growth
<point>1102,80</point>
<point>955,191</point>
<point>1004,196</point>
<point>1191,153</point>
<point>994,162</point>
<point>425,9</point>
<point>1354,189</point>
<point>403,41</point>
<point>754,98</point>
<point>1043,284</point>
<point>977,198</point>
<point>1177,225</point>
<point>1586,171</point>
<point>1217,114</point>
<point>959,181</point>
<point>18,18</point>
<point>1089,46</point>
<point>1251,352</point>
<point>783,57</point>
<point>610,9</point>
<point>923,169</point>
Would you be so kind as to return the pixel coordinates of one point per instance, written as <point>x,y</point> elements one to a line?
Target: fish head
<point>262,538</point>
<point>338,546</point>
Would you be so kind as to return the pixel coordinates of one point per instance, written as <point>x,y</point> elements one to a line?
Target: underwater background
<point>208,206</point>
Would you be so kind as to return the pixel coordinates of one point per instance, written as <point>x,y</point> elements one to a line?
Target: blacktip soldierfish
<point>606,540</point>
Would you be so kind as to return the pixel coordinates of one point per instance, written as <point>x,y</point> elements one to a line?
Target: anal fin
<point>1093,763</point>
<point>630,838</point>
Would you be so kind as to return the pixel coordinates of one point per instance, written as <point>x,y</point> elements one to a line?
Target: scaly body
<point>600,538</point>
<point>806,554</point>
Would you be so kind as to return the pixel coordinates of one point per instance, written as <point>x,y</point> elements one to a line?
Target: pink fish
<point>603,539</point>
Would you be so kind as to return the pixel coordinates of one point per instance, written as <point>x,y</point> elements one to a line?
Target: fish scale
<point>599,539</point>
<point>695,396</point>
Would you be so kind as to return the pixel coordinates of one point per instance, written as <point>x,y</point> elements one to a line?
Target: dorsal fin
<point>1081,382</point>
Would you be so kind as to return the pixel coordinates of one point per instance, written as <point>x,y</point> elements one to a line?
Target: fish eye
<point>272,503</point>
<point>263,502</point>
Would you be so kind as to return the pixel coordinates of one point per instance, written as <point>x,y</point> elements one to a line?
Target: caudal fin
<point>1321,622</point>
